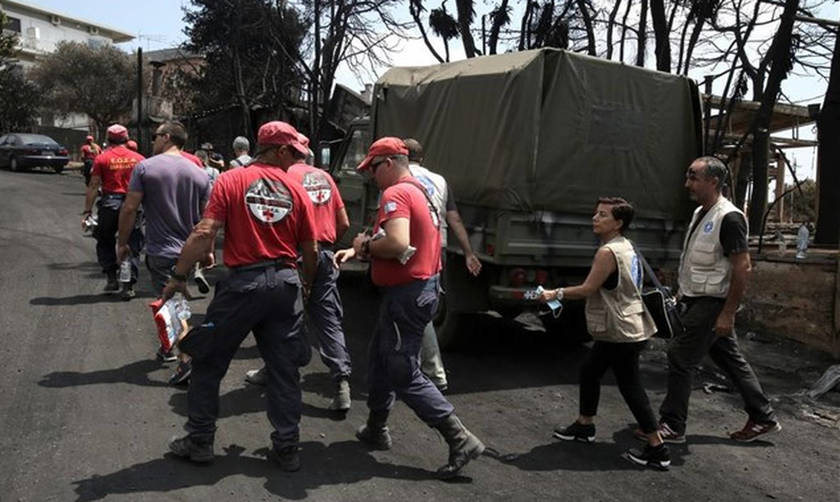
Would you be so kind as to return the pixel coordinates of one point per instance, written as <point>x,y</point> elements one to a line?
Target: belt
<point>326,245</point>
<point>278,263</point>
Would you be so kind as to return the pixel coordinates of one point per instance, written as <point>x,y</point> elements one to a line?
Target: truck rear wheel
<point>448,325</point>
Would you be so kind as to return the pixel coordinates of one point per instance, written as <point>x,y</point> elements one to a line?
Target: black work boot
<point>463,446</point>
<point>197,447</point>
<point>112,284</point>
<point>288,457</point>
<point>374,433</point>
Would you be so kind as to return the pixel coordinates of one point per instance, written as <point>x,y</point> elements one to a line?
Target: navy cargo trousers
<point>395,352</point>
<point>268,302</point>
<point>325,315</point>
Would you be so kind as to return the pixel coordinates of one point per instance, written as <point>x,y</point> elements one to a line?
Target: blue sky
<point>158,24</point>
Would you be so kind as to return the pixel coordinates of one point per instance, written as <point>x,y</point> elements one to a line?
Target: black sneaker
<point>188,448</point>
<point>287,458</point>
<point>112,285</point>
<point>182,373</point>
<point>166,357</point>
<point>657,457</point>
<point>127,292</point>
<point>576,432</point>
<point>201,281</point>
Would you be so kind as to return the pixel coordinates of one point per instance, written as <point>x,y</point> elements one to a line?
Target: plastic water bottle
<point>182,308</point>
<point>125,271</point>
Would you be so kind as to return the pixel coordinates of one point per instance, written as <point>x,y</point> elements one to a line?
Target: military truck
<point>528,141</point>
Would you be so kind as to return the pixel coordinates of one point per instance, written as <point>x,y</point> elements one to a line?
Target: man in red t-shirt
<point>89,152</point>
<point>324,309</point>
<point>267,218</point>
<point>112,171</point>
<point>404,251</point>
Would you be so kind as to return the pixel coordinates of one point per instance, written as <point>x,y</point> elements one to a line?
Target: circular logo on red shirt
<point>318,187</point>
<point>268,200</point>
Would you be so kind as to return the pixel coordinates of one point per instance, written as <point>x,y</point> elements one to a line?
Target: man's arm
<point>453,218</point>
<point>309,252</point>
<point>90,196</point>
<point>342,223</point>
<point>741,268</point>
<point>199,244</point>
<point>396,240</point>
<point>128,215</point>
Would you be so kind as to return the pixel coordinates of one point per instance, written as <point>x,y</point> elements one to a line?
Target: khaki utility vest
<point>619,315</point>
<point>704,270</point>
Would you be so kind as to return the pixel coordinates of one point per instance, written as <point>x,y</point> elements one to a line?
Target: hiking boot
<point>753,431</point>
<point>341,401</point>
<point>667,434</point>
<point>112,284</point>
<point>657,457</point>
<point>201,281</point>
<point>127,292</point>
<point>374,433</point>
<point>463,446</point>
<point>199,451</point>
<point>257,377</point>
<point>182,373</point>
<point>166,356</point>
<point>584,433</point>
<point>288,458</point>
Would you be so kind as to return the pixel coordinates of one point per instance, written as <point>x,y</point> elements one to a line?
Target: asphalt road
<point>86,413</point>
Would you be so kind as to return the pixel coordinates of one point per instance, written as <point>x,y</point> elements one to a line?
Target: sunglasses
<point>375,165</point>
<point>155,135</point>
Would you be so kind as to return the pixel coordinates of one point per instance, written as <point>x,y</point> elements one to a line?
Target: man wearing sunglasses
<point>407,220</point>
<point>173,193</point>
<point>267,218</point>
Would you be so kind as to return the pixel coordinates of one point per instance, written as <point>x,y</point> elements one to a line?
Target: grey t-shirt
<point>241,161</point>
<point>174,193</point>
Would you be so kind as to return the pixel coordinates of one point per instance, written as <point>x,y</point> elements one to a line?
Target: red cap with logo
<point>117,132</point>
<point>383,147</point>
<point>89,138</point>
<point>279,133</point>
<point>131,145</point>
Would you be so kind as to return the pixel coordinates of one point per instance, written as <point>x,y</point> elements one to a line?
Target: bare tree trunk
<point>642,35</point>
<point>524,35</point>
<point>465,15</point>
<point>695,35</point>
<point>314,95</point>
<point>661,35</point>
<point>610,26</point>
<point>414,9</point>
<point>743,179</point>
<point>245,109</point>
<point>828,158</point>
<point>624,30</point>
<point>496,27</point>
<point>587,22</point>
<point>780,66</point>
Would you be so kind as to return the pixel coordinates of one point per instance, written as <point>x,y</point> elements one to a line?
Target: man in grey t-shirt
<point>173,192</point>
<point>240,151</point>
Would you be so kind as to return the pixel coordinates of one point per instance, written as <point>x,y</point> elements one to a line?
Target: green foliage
<point>78,79</point>
<point>8,41</point>
<point>18,100</point>
<point>253,45</point>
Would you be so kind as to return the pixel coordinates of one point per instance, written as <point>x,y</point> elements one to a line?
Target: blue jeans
<point>395,352</point>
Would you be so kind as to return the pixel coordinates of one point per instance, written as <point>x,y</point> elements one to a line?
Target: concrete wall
<point>795,299</point>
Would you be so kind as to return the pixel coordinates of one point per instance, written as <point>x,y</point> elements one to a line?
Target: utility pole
<point>139,98</point>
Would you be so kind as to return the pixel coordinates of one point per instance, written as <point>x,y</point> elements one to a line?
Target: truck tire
<point>13,164</point>
<point>448,325</point>
<point>58,169</point>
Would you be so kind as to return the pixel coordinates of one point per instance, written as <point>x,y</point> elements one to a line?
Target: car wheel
<point>58,169</point>
<point>13,164</point>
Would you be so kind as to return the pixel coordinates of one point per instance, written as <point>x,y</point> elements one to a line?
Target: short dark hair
<point>621,210</point>
<point>715,168</point>
<point>117,141</point>
<point>176,131</point>
<point>415,149</point>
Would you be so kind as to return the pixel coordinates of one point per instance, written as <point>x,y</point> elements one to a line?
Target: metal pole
<point>139,98</point>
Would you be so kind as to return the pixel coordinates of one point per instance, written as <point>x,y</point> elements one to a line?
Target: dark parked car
<point>22,151</point>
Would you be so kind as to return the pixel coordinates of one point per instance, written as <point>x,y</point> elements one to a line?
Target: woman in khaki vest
<point>620,325</point>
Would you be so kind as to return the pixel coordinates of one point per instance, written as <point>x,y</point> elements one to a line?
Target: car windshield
<point>32,139</point>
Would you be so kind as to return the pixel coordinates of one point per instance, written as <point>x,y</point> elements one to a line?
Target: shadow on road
<point>85,299</point>
<point>335,464</point>
<point>136,373</point>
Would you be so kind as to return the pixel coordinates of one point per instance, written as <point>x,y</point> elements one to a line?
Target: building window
<point>12,24</point>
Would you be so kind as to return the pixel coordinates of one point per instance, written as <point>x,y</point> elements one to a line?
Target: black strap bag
<point>661,305</point>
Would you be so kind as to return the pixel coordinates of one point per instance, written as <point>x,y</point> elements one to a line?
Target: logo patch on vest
<point>636,271</point>
<point>318,187</point>
<point>268,200</point>
<point>708,227</point>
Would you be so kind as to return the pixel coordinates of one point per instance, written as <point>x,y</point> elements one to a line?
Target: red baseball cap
<point>383,147</point>
<point>117,132</point>
<point>131,145</point>
<point>303,140</point>
<point>277,133</point>
<point>89,138</point>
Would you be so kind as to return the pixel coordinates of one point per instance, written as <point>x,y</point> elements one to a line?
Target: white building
<point>40,30</point>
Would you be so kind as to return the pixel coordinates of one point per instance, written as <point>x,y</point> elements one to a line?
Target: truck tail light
<point>62,151</point>
<point>542,277</point>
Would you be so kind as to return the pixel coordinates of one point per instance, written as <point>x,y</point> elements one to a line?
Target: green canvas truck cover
<point>547,129</point>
